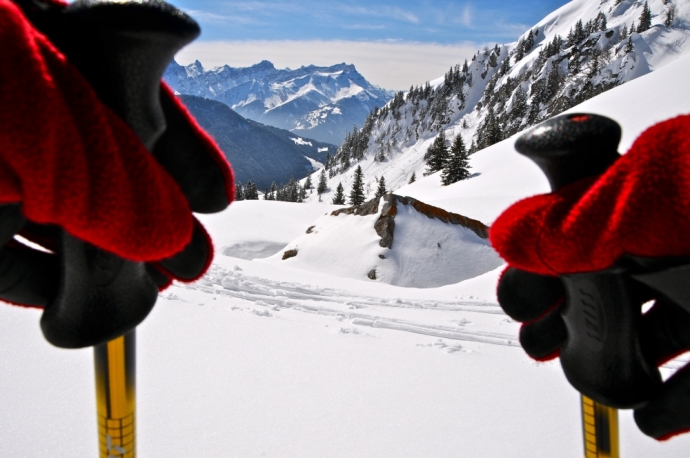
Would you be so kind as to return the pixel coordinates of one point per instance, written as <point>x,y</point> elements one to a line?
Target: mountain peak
<point>263,65</point>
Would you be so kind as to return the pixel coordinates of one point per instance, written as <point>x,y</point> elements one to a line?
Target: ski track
<point>344,305</point>
<point>347,306</point>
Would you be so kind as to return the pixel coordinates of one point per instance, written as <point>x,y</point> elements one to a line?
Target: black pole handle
<point>122,49</point>
<point>602,357</point>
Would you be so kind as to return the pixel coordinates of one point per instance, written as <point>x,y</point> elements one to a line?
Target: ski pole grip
<point>601,357</point>
<point>122,49</point>
<point>571,147</point>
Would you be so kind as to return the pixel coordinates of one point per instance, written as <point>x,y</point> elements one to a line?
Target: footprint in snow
<point>442,345</point>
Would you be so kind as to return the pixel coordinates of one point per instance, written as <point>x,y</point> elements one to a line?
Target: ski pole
<point>115,363</point>
<point>567,149</point>
<point>599,429</point>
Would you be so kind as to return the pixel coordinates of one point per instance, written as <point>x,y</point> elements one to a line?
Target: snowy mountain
<point>318,102</point>
<point>260,153</point>
<point>580,50</point>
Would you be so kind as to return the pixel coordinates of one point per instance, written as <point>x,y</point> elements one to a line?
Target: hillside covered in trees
<point>581,50</point>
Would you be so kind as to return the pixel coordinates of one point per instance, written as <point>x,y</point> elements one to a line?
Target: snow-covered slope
<point>505,89</point>
<point>317,102</point>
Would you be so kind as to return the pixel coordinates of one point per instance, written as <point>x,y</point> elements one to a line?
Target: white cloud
<point>466,16</point>
<point>385,12</point>
<point>389,64</point>
<point>221,18</point>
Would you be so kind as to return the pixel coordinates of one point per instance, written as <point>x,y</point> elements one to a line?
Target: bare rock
<point>385,224</point>
<point>372,274</point>
<point>310,229</point>
<point>370,207</point>
<point>289,254</point>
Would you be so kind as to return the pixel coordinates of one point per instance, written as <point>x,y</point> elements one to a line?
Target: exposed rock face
<point>385,224</point>
<point>289,254</point>
<point>369,207</point>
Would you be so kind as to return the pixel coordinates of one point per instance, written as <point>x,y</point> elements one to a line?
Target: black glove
<point>593,320</point>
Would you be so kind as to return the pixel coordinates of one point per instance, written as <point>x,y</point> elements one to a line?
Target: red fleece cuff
<point>639,206</point>
<point>71,162</point>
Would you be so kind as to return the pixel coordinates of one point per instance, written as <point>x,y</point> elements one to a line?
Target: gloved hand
<point>100,164</point>
<point>585,258</point>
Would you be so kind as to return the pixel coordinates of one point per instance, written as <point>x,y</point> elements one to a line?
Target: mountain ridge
<point>262,154</point>
<point>320,102</point>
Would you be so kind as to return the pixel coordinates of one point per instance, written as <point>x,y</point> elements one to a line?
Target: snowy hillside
<point>318,102</point>
<point>581,50</point>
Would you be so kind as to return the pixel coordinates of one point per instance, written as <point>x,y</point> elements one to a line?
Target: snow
<point>260,359</point>
<point>322,150</point>
<point>315,165</point>
<point>301,141</point>
<point>272,358</point>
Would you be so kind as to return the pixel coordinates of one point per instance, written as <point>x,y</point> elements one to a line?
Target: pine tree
<point>505,66</point>
<point>357,191</point>
<point>629,47</point>
<point>519,51</point>
<point>381,190</point>
<point>553,82</point>
<point>457,167</point>
<point>437,154</point>
<point>273,191</point>
<point>302,194</point>
<point>250,191</point>
<point>292,191</point>
<point>413,178</point>
<point>601,22</point>
<point>239,192</point>
<point>670,15</point>
<point>339,197</point>
<point>519,109</point>
<point>529,42</point>
<point>307,184</point>
<point>267,194</point>
<point>321,188</point>
<point>623,32</point>
<point>645,19</point>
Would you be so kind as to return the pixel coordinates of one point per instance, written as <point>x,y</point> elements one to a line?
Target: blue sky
<point>393,44</point>
<point>423,21</point>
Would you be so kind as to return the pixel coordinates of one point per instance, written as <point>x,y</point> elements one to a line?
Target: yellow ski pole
<point>599,429</point>
<point>115,363</point>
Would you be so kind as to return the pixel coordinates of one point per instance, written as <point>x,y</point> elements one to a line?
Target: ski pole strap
<point>116,396</point>
<point>599,430</point>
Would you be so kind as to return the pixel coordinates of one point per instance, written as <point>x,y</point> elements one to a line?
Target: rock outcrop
<point>385,224</point>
